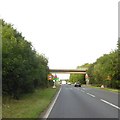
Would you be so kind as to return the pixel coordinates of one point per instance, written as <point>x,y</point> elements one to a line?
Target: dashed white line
<point>82,91</point>
<point>104,101</point>
<point>83,88</point>
<point>91,95</point>
<point>110,103</point>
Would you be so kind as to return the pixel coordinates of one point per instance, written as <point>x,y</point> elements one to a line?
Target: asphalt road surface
<point>83,102</point>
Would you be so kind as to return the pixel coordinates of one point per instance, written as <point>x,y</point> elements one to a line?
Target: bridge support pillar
<point>87,79</point>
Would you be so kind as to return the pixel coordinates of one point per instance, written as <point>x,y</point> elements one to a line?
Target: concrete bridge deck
<point>68,71</point>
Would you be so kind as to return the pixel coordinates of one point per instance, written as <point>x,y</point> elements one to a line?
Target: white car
<point>69,83</point>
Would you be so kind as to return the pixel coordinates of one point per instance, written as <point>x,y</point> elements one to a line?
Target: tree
<point>23,69</point>
<point>104,70</point>
<point>79,77</point>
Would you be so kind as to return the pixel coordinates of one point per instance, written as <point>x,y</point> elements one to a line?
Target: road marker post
<point>54,84</point>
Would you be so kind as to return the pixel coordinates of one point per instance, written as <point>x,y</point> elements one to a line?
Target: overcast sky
<point>69,32</point>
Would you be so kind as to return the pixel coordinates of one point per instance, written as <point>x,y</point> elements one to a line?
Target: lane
<point>74,103</point>
<point>110,104</point>
<point>91,94</point>
<point>103,94</point>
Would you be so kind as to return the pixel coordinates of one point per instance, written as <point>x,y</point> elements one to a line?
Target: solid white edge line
<point>51,106</point>
<point>91,95</point>
<point>110,103</point>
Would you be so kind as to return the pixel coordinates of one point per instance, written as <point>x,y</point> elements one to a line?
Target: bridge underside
<point>67,71</point>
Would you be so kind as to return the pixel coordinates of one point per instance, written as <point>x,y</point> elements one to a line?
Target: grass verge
<point>108,89</point>
<point>30,105</point>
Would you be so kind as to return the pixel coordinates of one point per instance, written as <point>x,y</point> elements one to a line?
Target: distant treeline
<point>23,69</point>
<point>79,77</point>
<point>105,71</point>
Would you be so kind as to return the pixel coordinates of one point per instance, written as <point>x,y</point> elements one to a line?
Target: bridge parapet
<point>68,71</point>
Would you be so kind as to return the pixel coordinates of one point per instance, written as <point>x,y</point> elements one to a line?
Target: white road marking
<point>51,106</point>
<point>91,95</point>
<point>83,88</point>
<point>110,103</point>
<point>82,91</point>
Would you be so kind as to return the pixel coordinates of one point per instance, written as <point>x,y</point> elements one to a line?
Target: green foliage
<point>118,51</point>
<point>79,77</point>
<point>29,106</point>
<point>86,66</point>
<point>105,70</point>
<point>22,68</point>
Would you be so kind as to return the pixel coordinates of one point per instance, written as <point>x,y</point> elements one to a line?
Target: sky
<point>69,32</point>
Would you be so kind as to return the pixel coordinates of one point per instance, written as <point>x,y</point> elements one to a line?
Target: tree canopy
<point>105,70</point>
<point>79,77</point>
<point>23,69</point>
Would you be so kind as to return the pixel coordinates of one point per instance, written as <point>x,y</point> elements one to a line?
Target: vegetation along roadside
<point>30,105</point>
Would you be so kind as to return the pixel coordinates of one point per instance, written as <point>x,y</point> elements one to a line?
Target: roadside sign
<point>55,77</point>
<point>50,77</point>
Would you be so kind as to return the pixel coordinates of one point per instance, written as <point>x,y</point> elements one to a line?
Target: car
<point>69,83</point>
<point>77,84</point>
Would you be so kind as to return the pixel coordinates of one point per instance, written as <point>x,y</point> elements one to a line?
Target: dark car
<point>77,85</point>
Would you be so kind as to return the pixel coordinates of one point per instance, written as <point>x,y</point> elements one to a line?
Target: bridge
<point>68,71</point>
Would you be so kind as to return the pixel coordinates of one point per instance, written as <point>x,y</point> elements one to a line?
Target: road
<point>85,102</point>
